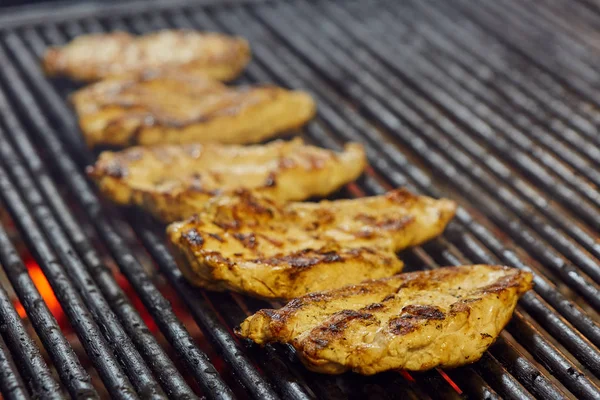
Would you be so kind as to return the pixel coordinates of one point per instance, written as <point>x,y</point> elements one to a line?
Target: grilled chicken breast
<point>175,106</point>
<point>98,56</point>
<point>417,321</point>
<point>267,249</point>
<point>174,182</point>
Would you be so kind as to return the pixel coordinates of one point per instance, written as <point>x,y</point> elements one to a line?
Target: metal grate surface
<point>494,104</point>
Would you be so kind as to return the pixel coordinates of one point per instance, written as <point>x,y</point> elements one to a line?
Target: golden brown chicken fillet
<point>267,249</point>
<point>98,56</point>
<point>175,106</point>
<point>417,321</point>
<point>174,182</point>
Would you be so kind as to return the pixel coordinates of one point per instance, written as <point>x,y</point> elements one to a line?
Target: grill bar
<point>203,22</point>
<point>197,361</point>
<point>535,26</point>
<point>247,374</point>
<point>476,67</point>
<point>162,366</point>
<point>11,384</point>
<point>288,385</point>
<point>589,289</point>
<point>596,358</point>
<point>396,156</point>
<point>138,372</point>
<point>262,56</point>
<point>81,320</point>
<point>535,197</point>
<point>441,105</point>
<point>27,354</point>
<point>489,23</point>
<point>540,85</point>
<point>72,374</point>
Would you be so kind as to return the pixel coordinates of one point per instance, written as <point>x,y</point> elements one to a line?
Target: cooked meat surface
<point>417,321</point>
<point>98,56</point>
<point>175,181</point>
<point>268,249</point>
<point>175,106</point>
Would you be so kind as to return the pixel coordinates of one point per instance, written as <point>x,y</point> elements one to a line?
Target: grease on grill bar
<point>455,100</point>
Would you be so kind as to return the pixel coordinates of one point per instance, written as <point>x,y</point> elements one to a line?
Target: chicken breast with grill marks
<point>175,181</point>
<point>98,56</point>
<point>176,106</point>
<point>267,249</point>
<point>417,321</point>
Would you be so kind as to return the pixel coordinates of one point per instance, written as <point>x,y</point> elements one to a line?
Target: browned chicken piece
<point>417,321</point>
<point>98,56</point>
<point>174,182</point>
<point>175,106</point>
<point>268,249</point>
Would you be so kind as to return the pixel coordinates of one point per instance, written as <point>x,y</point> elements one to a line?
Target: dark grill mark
<point>216,237</point>
<point>374,306</point>
<point>339,321</point>
<point>401,326</point>
<point>422,312</point>
<point>247,239</point>
<point>304,258</point>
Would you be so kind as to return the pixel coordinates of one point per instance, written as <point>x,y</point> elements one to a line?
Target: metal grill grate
<point>493,104</point>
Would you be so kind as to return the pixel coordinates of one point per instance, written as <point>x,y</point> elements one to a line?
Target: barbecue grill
<point>494,104</point>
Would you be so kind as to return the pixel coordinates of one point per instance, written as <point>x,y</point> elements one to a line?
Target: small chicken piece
<point>98,56</point>
<point>267,249</point>
<point>175,106</point>
<point>447,317</point>
<point>174,182</point>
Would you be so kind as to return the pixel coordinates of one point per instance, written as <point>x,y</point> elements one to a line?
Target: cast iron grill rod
<point>158,306</point>
<point>540,84</point>
<point>23,348</point>
<point>162,367</point>
<point>461,56</point>
<point>563,63</point>
<point>74,377</point>
<point>568,271</point>
<point>594,359</point>
<point>556,357</point>
<point>489,23</point>
<point>208,323</point>
<point>203,22</point>
<point>519,366</point>
<point>287,384</point>
<point>562,13</point>
<point>341,125</point>
<point>11,384</point>
<point>101,355</point>
<point>137,371</point>
<point>201,309</point>
<point>592,267</point>
<point>535,307</point>
<point>242,367</point>
<point>537,129</point>
<point>251,67</point>
<point>537,23</point>
<point>157,22</point>
<point>560,241</point>
<point>74,177</point>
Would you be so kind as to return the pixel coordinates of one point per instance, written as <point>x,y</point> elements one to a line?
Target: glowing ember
<point>43,286</point>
